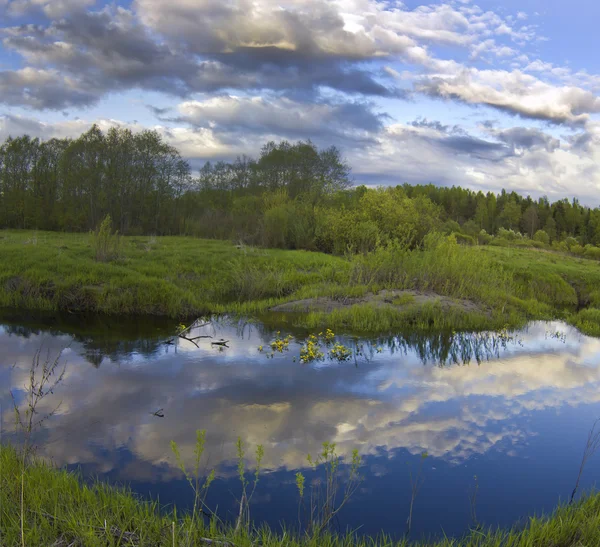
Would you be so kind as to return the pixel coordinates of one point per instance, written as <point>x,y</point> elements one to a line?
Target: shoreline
<point>460,288</point>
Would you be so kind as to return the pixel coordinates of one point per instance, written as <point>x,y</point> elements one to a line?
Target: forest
<point>292,196</point>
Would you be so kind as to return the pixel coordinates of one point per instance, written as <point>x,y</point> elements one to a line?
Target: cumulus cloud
<point>514,92</point>
<point>243,72</point>
<point>188,46</point>
<point>51,8</point>
<point>524,159</point>
<point>41,88</point>
<point>282,116</point>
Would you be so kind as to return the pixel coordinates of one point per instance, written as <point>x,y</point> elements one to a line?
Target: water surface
<point>512,410</point>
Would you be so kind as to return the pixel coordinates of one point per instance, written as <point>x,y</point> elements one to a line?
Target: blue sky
<point>453,92</point>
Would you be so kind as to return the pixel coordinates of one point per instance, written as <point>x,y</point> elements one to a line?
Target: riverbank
<point>60,510</point>
<point>445,286</point>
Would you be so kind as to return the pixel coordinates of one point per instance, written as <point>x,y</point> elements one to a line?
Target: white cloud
<point>515,92</point>
<point>52,8</point>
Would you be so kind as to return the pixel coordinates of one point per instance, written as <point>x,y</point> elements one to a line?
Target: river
<point>503,418</point>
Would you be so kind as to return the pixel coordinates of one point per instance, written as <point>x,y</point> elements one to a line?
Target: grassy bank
<point>182,277</point>
<point>60,510</point>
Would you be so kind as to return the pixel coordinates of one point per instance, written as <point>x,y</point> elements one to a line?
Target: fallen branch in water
<point>180,334</point>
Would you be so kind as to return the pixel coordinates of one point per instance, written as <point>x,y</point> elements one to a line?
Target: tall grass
<point>182,277</point>
<point>443,267</point>
<point>62,510</point>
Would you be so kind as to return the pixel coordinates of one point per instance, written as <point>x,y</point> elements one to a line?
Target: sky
<point>480,94</point>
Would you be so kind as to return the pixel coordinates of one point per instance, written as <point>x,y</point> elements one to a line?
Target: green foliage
<point>329,496</point>
<point>198,484</point>
<point>592,252</point>
<point>185,277</point>
<point>588,321</point>
<point>483,238</point>
<point>105,242</point>
<point>509,234</point>
<point>293,196</point>
<point>464,239</point>
<point>542,237</point>
<point>62,509</point>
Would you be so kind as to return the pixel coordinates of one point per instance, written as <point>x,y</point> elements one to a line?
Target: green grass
<point>60,510</point>
<point>182,277</point>
<point>172,276</point>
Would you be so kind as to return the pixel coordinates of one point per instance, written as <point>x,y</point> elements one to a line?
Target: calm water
<point>513,411</point>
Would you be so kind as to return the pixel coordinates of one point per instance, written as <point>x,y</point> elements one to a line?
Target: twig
<point>189,340</point>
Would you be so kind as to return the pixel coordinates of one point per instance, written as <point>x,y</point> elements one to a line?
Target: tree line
<point>293,195</point>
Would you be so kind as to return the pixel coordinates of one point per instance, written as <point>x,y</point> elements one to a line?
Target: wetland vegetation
<point>444,285</point>
<point>116,224</point>
<point>133,232</point>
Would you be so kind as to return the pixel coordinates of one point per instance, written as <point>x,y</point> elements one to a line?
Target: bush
<point>577,250</point>
<point>464,239</point>
<point>105,242</point>
<point>484,238</point>
<point>471,228</point>
<point>560,246</point>
<point>508,235</point>
<point>591,251</point>
<point>450,227</point>
<point>570,242</point>
<point>542,237</point>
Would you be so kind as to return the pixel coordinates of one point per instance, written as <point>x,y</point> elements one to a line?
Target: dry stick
<point>592,444</point>
<point>192,325</point>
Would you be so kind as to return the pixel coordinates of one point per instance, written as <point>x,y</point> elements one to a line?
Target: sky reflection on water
<point>516,415</point>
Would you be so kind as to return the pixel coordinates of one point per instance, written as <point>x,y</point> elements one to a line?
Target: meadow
<point>184,277</point>
<point>62,510</point>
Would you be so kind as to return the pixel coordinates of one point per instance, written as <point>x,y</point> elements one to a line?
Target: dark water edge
<point>511,409</point>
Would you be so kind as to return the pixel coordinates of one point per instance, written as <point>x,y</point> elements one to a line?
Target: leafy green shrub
<point>577,250</point>
<point>570,242</point>
<point>105,242</point>
<point>542,237</point>
<point>560,246</point>
<point>471,228</point>
<point>591,251</point>
<point>464,239</point>
<point>450,227</point>
<point>484,238</point>
<point>508,235</point>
